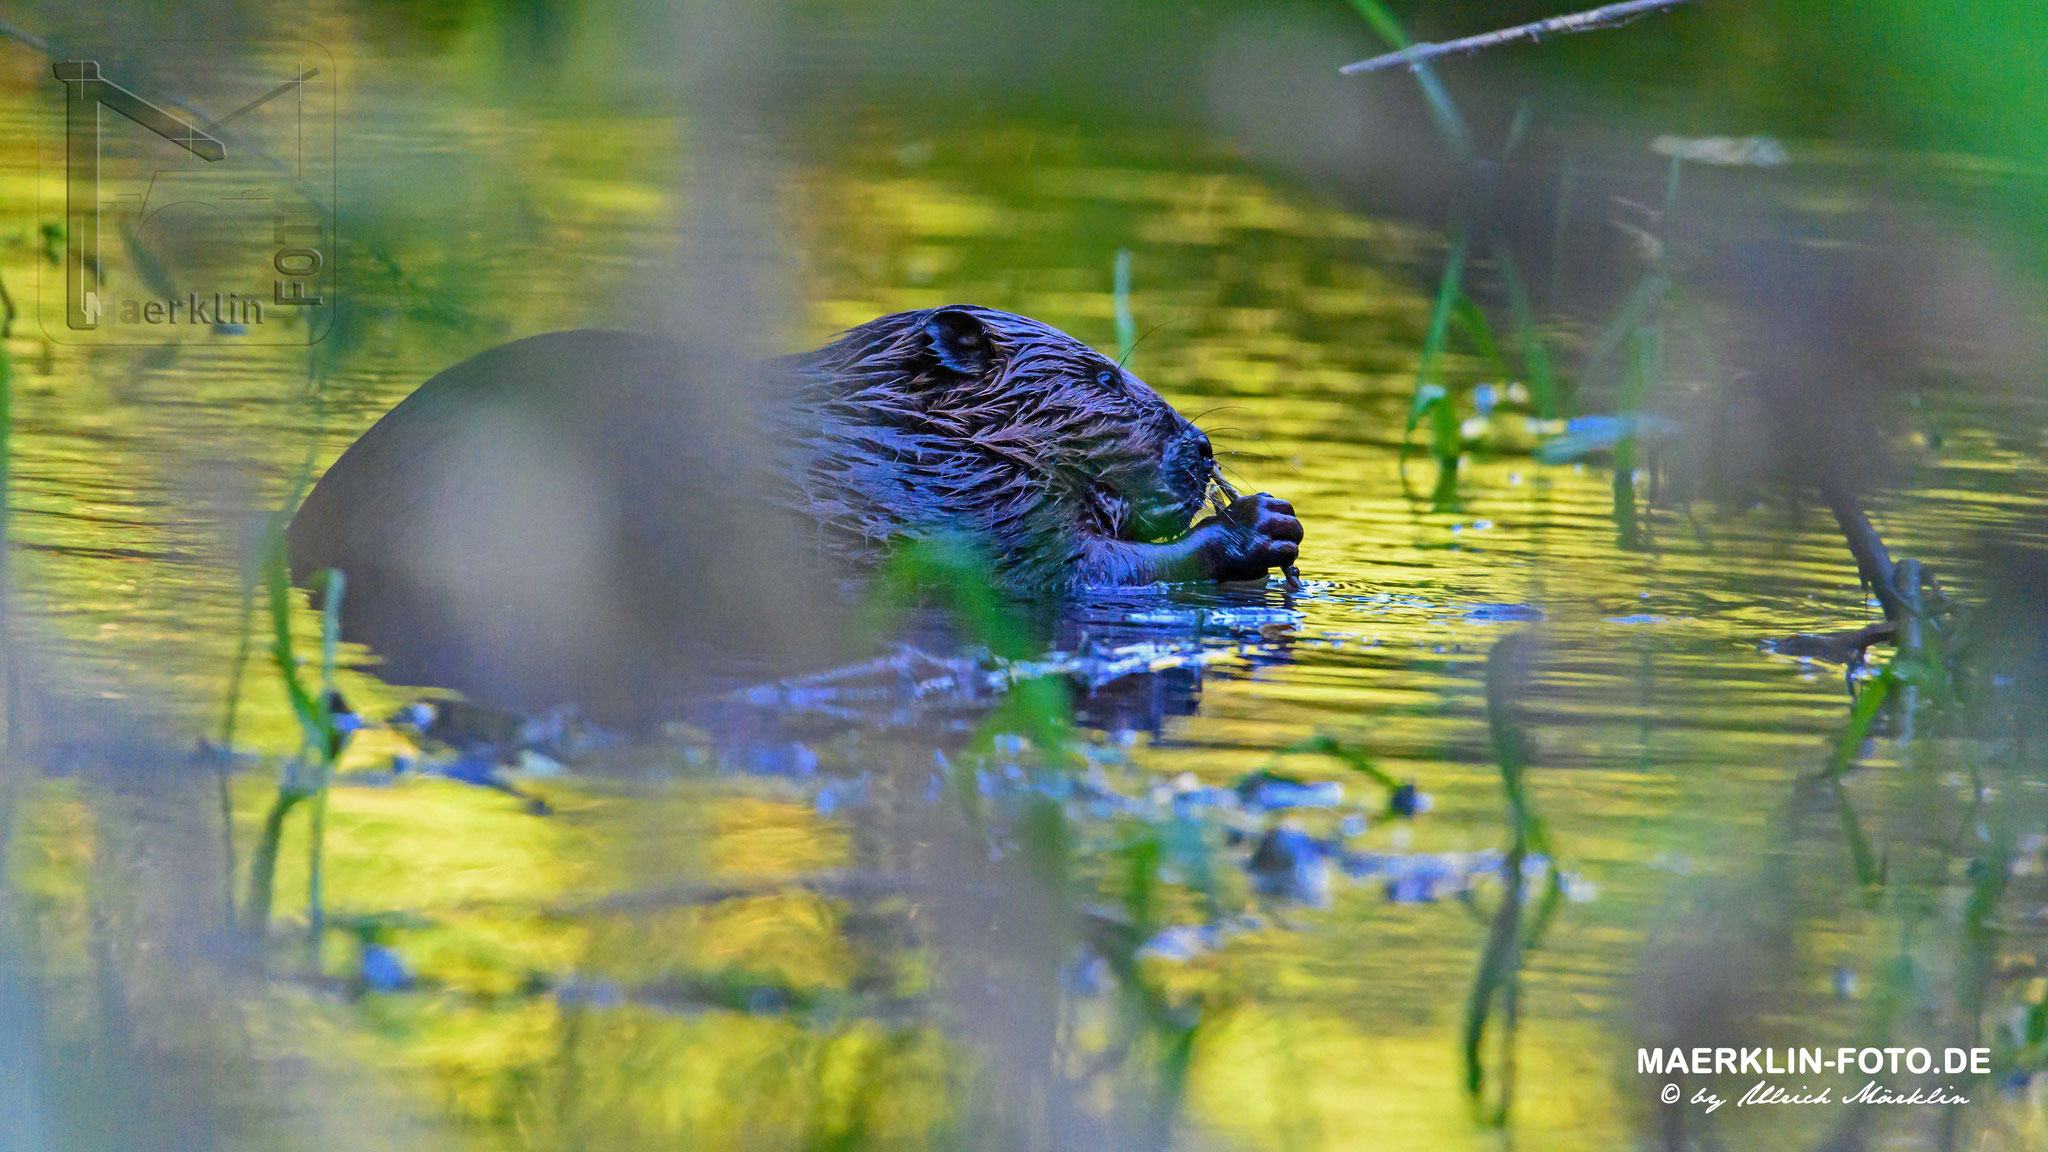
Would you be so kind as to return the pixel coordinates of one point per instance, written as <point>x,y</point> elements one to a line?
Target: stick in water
<point>1602,17</point>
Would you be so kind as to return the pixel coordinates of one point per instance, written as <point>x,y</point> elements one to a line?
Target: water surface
<point>1667,744</point>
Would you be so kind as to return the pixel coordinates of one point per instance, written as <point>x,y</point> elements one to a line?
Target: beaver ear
<point>959,342</point>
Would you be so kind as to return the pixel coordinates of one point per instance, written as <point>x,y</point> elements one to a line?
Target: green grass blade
<point>1645,296</point>
<point>1351,757</point>
<point>1869,872</point>
<point>1430,365</point>
<point>263,864</point>
<point>315,724</point>
<point>318,736</point>
<point>316,841</point>
<point>1868,701</point>
<point>1471,321</point>
<point>1543,385</point>
<point>1517,129</point>
<point>1645,368</point>
<point>1560,224</point>
<point>1512,937</point>
<point>1671,191</point>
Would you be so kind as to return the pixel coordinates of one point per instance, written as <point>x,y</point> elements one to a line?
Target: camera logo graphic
<point>180,224</point>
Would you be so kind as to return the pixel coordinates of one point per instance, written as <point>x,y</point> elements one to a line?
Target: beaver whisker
<point>1219,477</point>
<point>1132,350</point>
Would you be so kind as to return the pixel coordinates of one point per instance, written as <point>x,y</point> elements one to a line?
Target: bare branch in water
<point>1605,16</point>
<point>1873,559</point>
<point>1845,648</point>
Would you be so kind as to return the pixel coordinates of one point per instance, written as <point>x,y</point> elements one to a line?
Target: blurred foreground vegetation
<point>1421,855</point>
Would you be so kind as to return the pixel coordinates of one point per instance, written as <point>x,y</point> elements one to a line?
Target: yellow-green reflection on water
<point>1666,740</point>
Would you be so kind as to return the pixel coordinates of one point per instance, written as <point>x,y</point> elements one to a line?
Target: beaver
<point>561,518</point>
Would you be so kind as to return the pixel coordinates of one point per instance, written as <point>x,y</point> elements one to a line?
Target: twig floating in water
<point>1602,17</point>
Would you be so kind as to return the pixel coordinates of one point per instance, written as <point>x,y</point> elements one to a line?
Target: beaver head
<point>1000,424</point>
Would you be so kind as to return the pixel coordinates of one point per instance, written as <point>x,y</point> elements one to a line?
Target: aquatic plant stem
<point>1430,395</point>
<point>1543,387</point>
<point>1645,368</point>
<point>1512,935</point>
<point>1560,221</point>
<point>224,770</point>
<point>320,738</point>
<point>263,863</point>
<point>330,642</point>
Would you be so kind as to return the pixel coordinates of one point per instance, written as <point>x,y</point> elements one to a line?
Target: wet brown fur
<point>1033,456</point>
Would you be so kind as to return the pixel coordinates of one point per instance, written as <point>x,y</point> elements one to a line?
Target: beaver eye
<point>1108,378</point>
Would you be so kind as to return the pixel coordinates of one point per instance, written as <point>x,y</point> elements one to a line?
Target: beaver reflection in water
<point>565,517</point>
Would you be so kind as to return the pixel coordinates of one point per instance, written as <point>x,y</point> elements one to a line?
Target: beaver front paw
<point>1254,535</point>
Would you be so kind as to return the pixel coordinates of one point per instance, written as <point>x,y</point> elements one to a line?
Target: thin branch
<point>1602,17</point>
<point>1873,559</point>
<point>1844,648</point>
